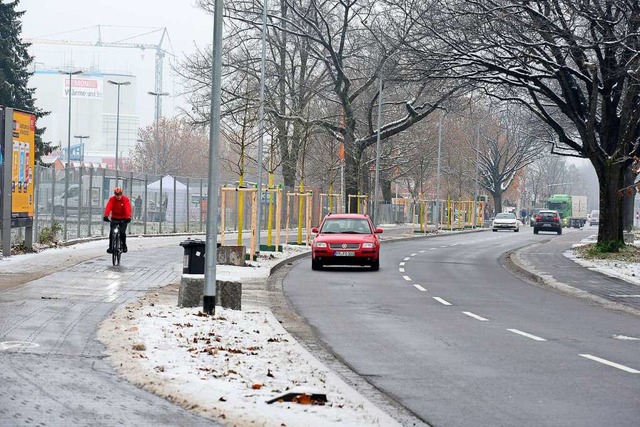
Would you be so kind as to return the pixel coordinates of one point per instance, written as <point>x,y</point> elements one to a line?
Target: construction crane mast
<point>160,52</point>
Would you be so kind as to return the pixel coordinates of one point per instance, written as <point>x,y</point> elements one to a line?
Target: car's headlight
<point>367,245</point>
<point>320,245</point>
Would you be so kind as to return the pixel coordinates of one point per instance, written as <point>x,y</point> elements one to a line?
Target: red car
<point>346,239</point>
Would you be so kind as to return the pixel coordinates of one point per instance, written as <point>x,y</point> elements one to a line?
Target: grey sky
<point>56,19</point>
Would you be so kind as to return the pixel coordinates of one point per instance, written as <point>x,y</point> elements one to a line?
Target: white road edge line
<point>524,334</point>
<point>613,364</point>
<point>407,278</point>
<point>442,301</point>
<point>475,316</point>
<point>420,288</point>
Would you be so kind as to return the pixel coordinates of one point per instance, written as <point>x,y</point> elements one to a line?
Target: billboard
<point>82,87</point>
<point>22,163</point>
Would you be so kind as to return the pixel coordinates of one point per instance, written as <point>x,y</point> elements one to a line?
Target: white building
<point>92,115</point>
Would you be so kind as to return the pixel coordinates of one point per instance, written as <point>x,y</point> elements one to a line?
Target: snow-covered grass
<point>227,366</point>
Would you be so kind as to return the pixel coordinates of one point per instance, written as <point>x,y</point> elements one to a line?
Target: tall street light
<point>81,138</point>
<point>118,84</point>
<point>66,170</point>
<point>157,95</point>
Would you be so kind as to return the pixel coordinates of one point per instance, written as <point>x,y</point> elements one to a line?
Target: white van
<point>594,218</point>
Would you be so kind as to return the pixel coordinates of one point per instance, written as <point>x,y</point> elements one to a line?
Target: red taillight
<point>555,218</point>
<point>538,218</point>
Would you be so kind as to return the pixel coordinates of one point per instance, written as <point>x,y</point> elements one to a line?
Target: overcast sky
<point>62,19</point>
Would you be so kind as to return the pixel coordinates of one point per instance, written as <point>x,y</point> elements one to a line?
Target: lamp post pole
<point>66,169</point>
<point>376,184</point>
<point>437,214</point>
<point>157,95</point>
<point>118,84</point>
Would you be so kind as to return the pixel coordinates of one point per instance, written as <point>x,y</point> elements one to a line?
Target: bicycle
<point>116,243</point>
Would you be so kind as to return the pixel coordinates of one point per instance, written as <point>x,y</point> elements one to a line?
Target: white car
<point>506,221</point>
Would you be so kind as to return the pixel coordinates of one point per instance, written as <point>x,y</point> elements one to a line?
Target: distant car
<point>594,218</point>
<point>547,221</point>
<point>346,239</point>
<point>506,221</point>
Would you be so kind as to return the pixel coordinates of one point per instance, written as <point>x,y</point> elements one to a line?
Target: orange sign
<point>22,164</point>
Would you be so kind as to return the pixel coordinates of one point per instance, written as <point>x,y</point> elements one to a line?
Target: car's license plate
<point>546,225</point>
<point>344,253</point>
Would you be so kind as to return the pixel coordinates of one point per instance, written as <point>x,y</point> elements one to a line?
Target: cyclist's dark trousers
<point>123,233</point>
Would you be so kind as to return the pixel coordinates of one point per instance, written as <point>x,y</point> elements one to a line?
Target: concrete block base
<point>228,294</point>
<point>231,255</point>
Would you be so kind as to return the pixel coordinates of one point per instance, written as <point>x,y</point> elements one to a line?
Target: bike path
<point>545,263</point>
<point>52,366</point>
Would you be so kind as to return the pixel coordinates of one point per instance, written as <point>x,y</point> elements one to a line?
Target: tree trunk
<point>387,195</point>
<point>611,178</point>
<point>497,202</point>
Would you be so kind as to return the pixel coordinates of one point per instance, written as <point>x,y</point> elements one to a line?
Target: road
<point>453,336</point>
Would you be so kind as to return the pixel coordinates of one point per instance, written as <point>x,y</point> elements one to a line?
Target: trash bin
<point>193,261</point>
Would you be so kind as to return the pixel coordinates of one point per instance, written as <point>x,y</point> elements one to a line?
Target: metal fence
<point>167,204</point>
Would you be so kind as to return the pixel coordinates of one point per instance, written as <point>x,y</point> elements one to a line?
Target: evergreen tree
<point>14,73</point>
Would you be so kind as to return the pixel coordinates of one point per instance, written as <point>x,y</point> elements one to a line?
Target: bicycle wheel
<point>115,255</point>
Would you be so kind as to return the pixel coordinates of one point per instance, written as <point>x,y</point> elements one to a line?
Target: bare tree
<point>505,150</point>
<point>175,147</point>
<point>573,64</point>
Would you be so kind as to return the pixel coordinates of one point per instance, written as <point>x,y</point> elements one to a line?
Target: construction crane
<point>124,43</point>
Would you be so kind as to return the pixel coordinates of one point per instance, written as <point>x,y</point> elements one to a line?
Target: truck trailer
<point>572,209</point>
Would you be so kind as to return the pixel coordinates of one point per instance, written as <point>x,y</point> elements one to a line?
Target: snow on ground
<point>627,271</point>
<point>227,366</point>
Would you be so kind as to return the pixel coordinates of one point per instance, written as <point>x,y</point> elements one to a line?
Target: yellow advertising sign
<point>22,164</point>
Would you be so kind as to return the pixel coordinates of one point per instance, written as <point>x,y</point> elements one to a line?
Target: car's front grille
<point>338,246</point>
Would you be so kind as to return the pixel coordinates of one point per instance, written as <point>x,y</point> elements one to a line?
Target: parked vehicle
<point>81,196</point>
<point>547,221</point>
<point>346,239</point>
<point>594,218</point>
<point>506,221</point>
<point>572,209</point>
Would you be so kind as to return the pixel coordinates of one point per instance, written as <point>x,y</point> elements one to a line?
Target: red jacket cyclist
<point>119,207</point>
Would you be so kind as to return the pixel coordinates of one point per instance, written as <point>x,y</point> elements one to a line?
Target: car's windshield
<point>343,225</point>
<point>506,216</point>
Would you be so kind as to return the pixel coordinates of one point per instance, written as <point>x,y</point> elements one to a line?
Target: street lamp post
<point>81,138</point>
<point>157,95</point>
<point>118,84</point>
<point>66,170</point>
<point>377,179</point>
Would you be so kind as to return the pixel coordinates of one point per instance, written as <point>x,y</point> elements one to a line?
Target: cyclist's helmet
<point>117,191</point>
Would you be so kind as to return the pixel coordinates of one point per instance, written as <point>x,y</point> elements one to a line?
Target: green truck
<point>572,209</point>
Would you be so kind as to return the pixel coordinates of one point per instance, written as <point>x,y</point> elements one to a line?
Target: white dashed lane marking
<point>442,301</point>
<point>407,278</point>
<point>420,288</point>
<point>406,259</point>
<point>525,334</point>
<point>401,270</point>
<point>402,263</point>
<point>609,363</point>
<point>475,316</point>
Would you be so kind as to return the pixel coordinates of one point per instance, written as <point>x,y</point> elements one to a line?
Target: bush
<point>49,235</point>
